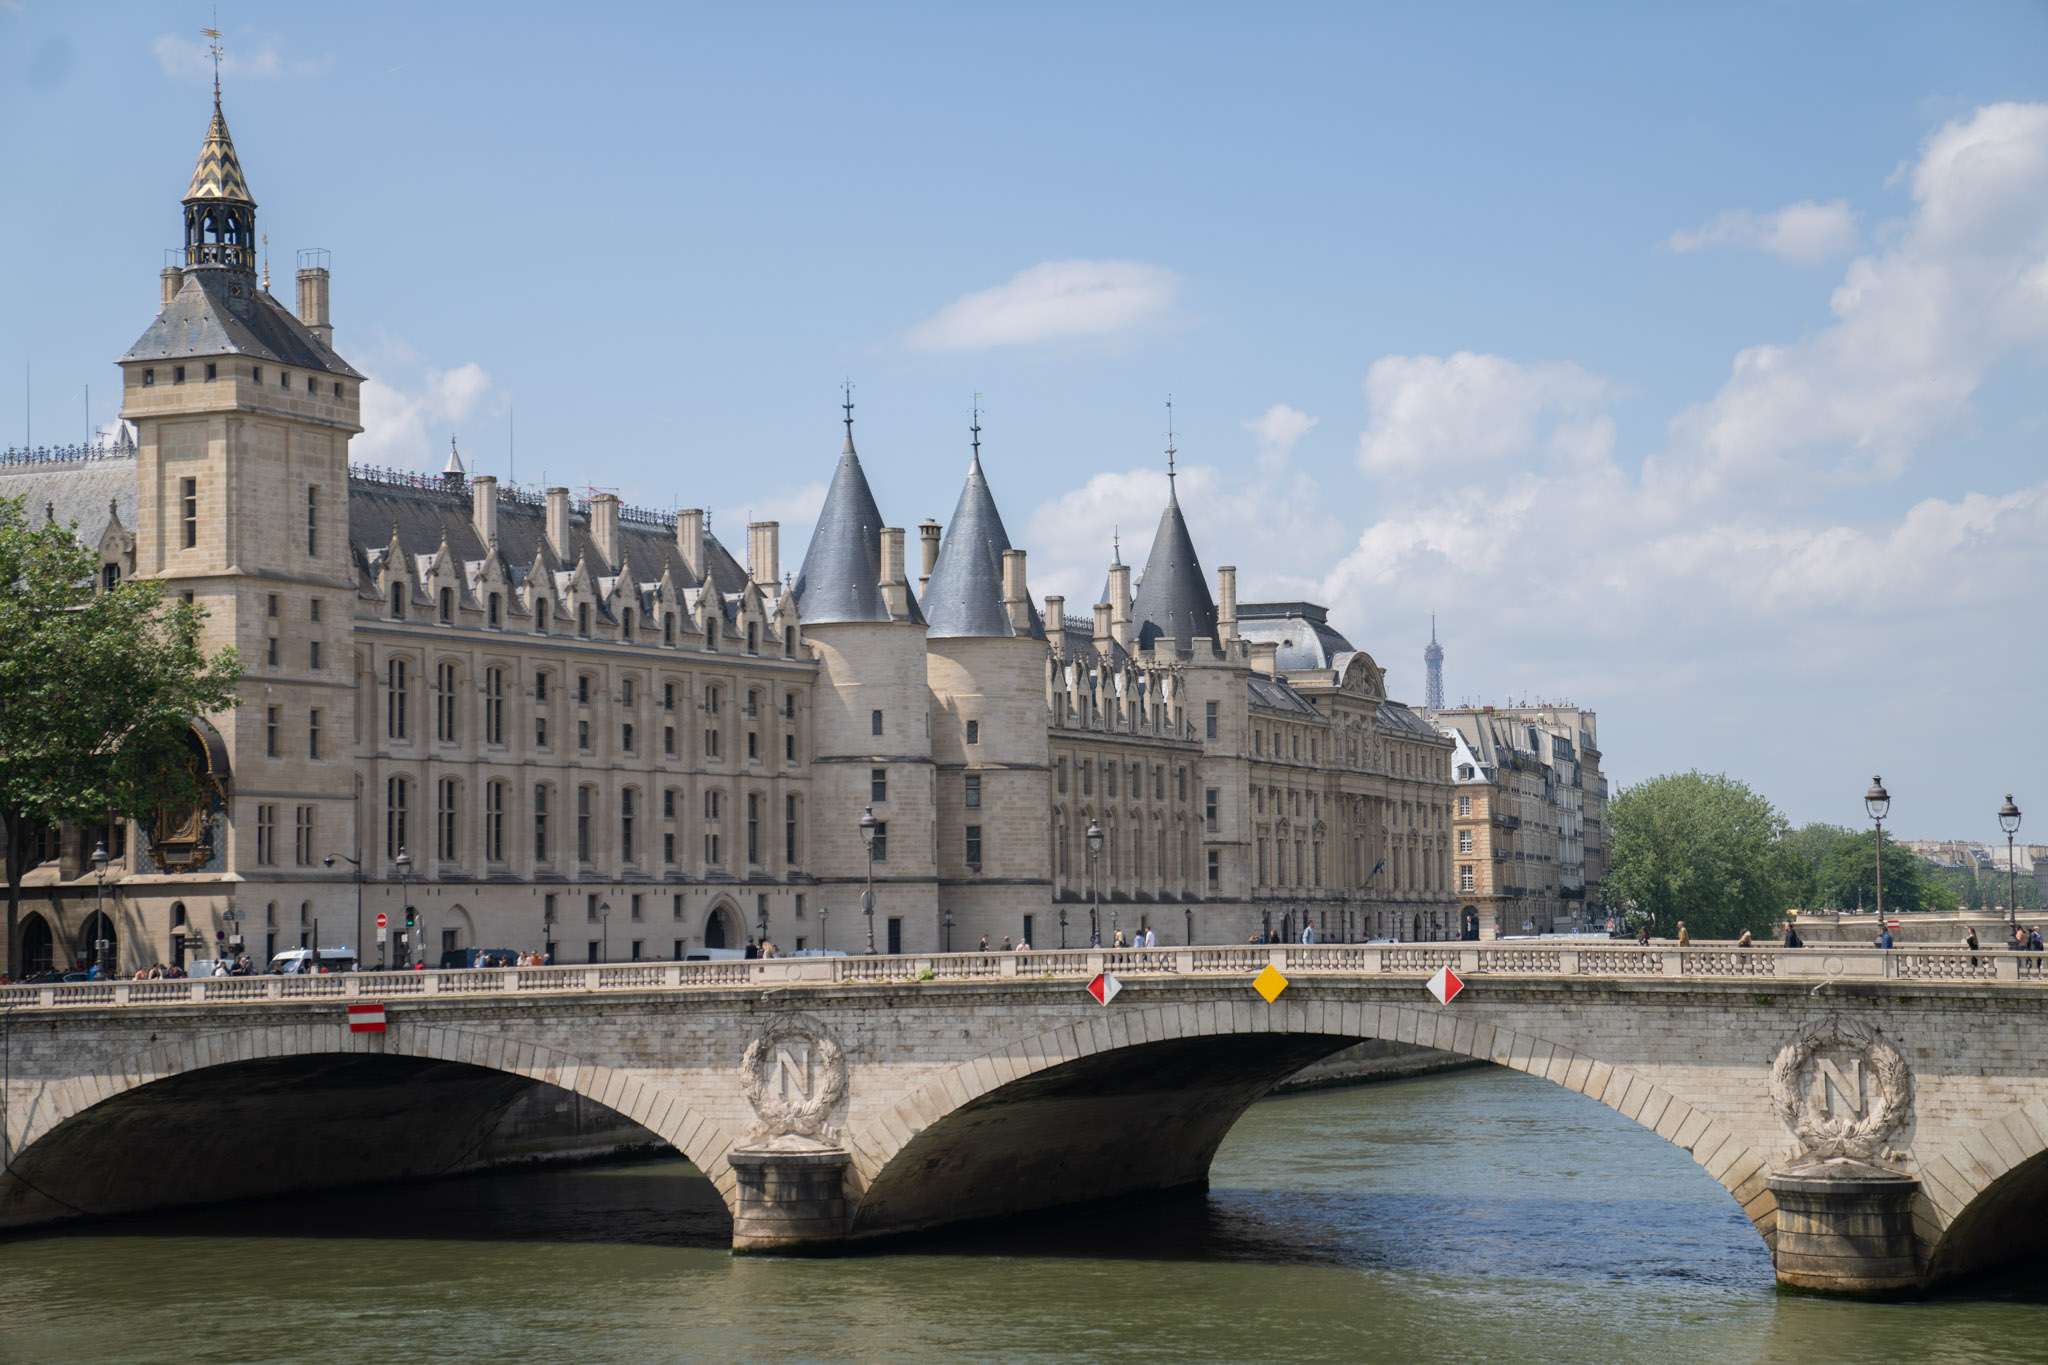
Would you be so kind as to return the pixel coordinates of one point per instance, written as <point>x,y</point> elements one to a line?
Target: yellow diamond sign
<point>1269,983</point>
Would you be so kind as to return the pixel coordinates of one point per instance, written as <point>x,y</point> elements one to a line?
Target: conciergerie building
<point>575,723</point>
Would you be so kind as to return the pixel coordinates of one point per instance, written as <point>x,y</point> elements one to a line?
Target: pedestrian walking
<point>1308,931</point>
<point>1151,937</point>
<point>984,943</point>
<point>1792,939</point>
<point>1684,938</point>
<point>1744,941</point>
<point>1884,937</point>
<point>1006,943</point>
<point>1970,942</point>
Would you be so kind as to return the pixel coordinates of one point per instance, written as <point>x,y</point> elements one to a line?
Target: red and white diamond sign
<point>1445,985</point>
<point>1104,988</point>
<point>366,1018</point>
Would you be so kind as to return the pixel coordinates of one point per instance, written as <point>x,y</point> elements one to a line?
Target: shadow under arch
<point>1139,1100</point>
<point>256,1111</point>
<point>1990,1220</point>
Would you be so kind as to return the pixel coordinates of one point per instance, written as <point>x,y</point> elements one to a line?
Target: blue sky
<point>1687,361</point>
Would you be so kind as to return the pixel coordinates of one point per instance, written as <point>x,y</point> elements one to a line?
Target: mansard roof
<point>426,511</point>
<point>93,489</point>
<point>965,594</point>
<point>222,312</point>
<point>1301,629</point>
<point>842,570</point>
<point>1172,601</point>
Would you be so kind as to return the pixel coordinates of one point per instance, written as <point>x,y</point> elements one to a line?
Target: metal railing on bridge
<point>1324,961</point>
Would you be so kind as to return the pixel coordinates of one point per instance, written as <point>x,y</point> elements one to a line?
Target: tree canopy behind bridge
<point>1698,848</point>
<point>98,693</point>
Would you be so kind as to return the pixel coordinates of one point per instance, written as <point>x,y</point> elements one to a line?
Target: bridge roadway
<point>1881,1118</point>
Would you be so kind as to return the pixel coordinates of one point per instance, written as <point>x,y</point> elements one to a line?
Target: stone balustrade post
<point>1096,964</point>
<point>672,974</point>
<point>2008,966</point>
<point>120,992</point>
<point>1568,961</point>
<point>1468,959</point>
<point>1184,961</point>
<point>273,989</point>
<point>1370,963</point>
<point>590,978</point>
<point>1009,965</point>
<point>432,984</point>
<point>1673,963</point>
<point>350,987</point>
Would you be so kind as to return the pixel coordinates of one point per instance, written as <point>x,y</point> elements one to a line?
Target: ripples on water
<point>1480,1215</point>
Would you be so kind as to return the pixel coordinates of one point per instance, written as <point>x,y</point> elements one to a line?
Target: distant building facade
<point>1529,817</point>
<point>542,720</point>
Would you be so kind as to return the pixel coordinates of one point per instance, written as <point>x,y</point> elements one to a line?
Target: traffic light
<point>411,917</point>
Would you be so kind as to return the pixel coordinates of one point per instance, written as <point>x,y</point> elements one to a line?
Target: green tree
<point>1702,848</point>
<point>98,691</point>
<point>1805,853</point>
<point>1849,878</point>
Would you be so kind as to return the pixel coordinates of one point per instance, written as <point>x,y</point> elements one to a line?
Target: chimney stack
<point>483,508</point>
<point>690,540</point>
<point>173,280</point>
<point>604,527</point>
<point>928,543</point>
<point>895,587</point>
<point>1120,604</point>
<point>764,553</point>
<point>558,524</point>
<point>1102,636</point>
<point>1266,657</point>
<point>313,283</point>
<point>1056,621</point>
<point>1226,603</point>
<point>1016,597</point>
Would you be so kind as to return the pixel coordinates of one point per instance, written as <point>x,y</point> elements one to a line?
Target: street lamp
<point>1189,912</point>
<point>1063,926</point>
<point>604,930</point>
<point>868,824</point>
<point>99,896</point>
<point>824,927</point>
<point>355,863</point>
<point>2009,821</point>
<point>403,862</point>
<point>761,926</point>
<point>1094,841</point>
<point>947,925</point>
<point>1878,802</point>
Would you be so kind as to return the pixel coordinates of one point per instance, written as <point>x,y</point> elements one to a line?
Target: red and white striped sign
<point>366,1018</point>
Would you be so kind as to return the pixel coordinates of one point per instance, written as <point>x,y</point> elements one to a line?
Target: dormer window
<point>492,610</point>
<point>753,638</point>
<point>398,601</point>
<point>626,624</point>
<point>583,619</point>
<point>668,627</point>
<point>447,606</point>
<point>284,379</point>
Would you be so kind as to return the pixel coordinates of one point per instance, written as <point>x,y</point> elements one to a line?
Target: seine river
<point>1479,1215</point>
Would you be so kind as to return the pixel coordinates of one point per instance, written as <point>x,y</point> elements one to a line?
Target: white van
<point>299,961</point>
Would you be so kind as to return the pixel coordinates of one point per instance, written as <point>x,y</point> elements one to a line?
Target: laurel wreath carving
<point>1840,1135</point>
<point>784,1118</point>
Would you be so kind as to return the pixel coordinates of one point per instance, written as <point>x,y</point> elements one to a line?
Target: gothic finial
<point>1170,452</point>
<point>1116,545</point>
<point>975,428</point>
<point>266,263</point>
<point>212,36</point>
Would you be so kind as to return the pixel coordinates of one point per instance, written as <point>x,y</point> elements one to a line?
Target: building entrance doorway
<point>722,928</point>
<point>38,946</point>
<point>97,944</point>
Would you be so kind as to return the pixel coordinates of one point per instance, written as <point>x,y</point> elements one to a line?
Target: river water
<point>1479,1215</point>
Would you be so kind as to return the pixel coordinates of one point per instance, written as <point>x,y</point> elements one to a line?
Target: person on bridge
<point>984,943</point>
<point>1308,932</point>
<point>1684,938</point>
<point>2034,939</point>
<point>1792,939</point>
<point>1970,942</point>
<point>1884,938</point>
<point>1745,941</point>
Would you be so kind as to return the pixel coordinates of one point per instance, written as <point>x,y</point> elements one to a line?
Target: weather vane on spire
<point>212,36</point>
<point>975,426</point>
<point>1170,452</point>
<point>846,388</point>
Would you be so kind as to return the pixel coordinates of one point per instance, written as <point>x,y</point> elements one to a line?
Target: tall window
<point>874,722</point>
<point>447,606</point>
<point>974,791</point>
<point>397,600</point>
<point>266,835</point>
<point>583,803</point>
<point>1209,719</point>
<point>494,706</point>
<point>444,703</point>
<point>312,519</point>
<point>1464,841</point>
<point>881,844</point>
<point>1210,797</point>
<point>626,812</point>
<point>878,784</point>
<point>271,726</point>
<point>753,828</point>
<point>445,822</point>
<point>974,732</point>
<point>302,837</point>
<point>789,809</point>
<point>395,698</point>
<point>397,793</point>
<point>974,846</point>
<point>188,497</point>
<point>494,822</point>
<point>540,823</point>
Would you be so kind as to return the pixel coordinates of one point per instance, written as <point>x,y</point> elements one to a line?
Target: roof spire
<point>266,263</point>
<point>1116,544</point>
<point>974,428</point>
<point>846,389</point>
<point>1170,452</point>
<point>212,36</point>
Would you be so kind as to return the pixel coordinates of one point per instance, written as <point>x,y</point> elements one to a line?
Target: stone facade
<point>590,727</point>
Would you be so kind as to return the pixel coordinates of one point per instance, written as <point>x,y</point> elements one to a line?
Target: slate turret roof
<point>841,575</point>
<point>1172,601</point>
<point>222,312</point>
<point>218,172</point>
<point>965,594</point>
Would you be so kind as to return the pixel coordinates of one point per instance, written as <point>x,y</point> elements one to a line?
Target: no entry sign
<point>366,1018</point>
<point>381,919</point>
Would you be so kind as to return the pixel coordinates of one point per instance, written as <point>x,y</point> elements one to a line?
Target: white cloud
<point>191,59</point>
<point>407,422</point>
<point>1279,429</point>
<point>1963,285</point>
<point>1048,302</point>
<point>1431,413</point>
<point>1804,233</point>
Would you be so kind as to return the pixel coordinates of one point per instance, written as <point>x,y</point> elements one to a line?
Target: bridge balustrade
<point>1719,961</point>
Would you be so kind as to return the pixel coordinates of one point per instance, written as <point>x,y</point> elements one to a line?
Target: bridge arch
<point>1987,1196</point>
<point>124,1100</point>
<point>1200,1067</point>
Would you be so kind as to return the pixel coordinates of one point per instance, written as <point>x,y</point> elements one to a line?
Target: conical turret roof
<point>965,594</point>
<point>1173,599</point>
<point>842,570</point>
<point>218,173</point>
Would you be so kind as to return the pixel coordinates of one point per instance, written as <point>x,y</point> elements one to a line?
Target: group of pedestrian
<point>1140,938</point>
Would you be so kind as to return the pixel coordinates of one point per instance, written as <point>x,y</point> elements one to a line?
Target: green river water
<point>1479,1215</point>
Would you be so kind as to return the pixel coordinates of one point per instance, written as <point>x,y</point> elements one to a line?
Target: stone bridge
<point>1879,1117</point>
